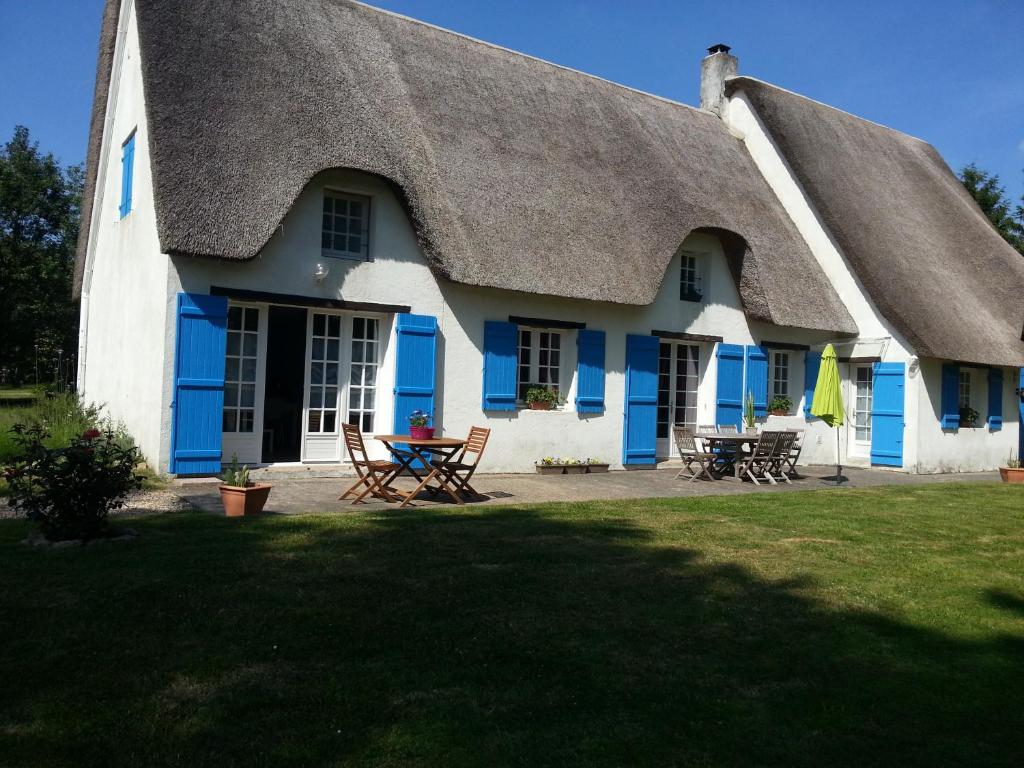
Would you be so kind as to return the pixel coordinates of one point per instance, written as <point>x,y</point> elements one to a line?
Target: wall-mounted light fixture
<point>320,273</point>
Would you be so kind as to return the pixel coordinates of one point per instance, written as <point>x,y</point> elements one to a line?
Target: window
<point>678,376</point>
<point>779,380</point>
<point>689,278</point>
<point>324,363</point>
<point>862,404</point>
<point>362,389</point>
<point>540,361</point>
<point>240,369</point>
<point>127,174</point>
<point>965,389</point>
<point>346,226</point>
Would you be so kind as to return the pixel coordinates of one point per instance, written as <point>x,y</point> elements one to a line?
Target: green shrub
<point>69,491</point>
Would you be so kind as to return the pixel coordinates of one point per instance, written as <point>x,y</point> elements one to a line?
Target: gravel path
<point>139,503</point>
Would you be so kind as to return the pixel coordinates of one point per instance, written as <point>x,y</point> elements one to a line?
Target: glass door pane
<point>862,404</point>
<point>324,369</point>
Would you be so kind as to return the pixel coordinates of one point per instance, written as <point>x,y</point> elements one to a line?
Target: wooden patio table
<point>444,447</point>
<point>731,444</point>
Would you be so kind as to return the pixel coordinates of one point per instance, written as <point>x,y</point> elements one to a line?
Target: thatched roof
<point>929,258</point>
<point>516,173</point>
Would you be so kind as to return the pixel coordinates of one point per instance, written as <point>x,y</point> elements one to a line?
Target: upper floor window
<point>689,277</point>
<point>965,389</point>
<point>780,374</point>
<point>346,225</point>
<point>127,174</point>
<point>540,361</point>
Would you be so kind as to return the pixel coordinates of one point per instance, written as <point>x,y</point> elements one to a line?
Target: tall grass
<point>63,416</point>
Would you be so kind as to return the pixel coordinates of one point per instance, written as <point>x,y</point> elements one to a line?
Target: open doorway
<point>286,361</point>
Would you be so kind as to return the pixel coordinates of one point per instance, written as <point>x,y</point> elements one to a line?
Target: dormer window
<point>689,277</point>
<point>346,226</point>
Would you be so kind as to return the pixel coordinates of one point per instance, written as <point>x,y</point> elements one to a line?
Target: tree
<point>39,219</point>
<point>991,196</point>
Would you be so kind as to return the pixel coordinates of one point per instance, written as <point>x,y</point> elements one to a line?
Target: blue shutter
<point>590,371</point>
<point>641,411</point>
<point>198,405</point>
<point>729,399</point>
<point>499,366</point>
<point>950,396</point>
<point>757,378</point>
<point>887,415</point>
<point>127,175</point>
<point>995,399</point>
<point>812,364</point>
<point>415,367</point>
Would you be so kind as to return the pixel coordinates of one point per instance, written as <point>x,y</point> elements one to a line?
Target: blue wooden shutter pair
<point>590,371</point>
<point>500,360</point>
<point>415,367</point>
<point>127,175</point>
<point>995,399</point>
<point>812,364</point>
<point>757,378</point>
<point>198,405</point>
<point>887,414</point>
<point>639,434</point>
<point>950,396</point>
<point>729,397</point>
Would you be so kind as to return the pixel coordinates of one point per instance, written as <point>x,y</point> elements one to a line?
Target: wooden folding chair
<point>459,470</point>
<point>755,466</point>
<point>690,454</point>
<point>728,429</point>
<point>777,466</point>
<point>794,452</point>
<point>706,429</point>
<point>373,474</point>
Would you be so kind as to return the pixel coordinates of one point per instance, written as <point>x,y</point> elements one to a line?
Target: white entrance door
<point>678,381</point>
<point>244,361</point>
<point>859,435</point>
<point>343,357</point>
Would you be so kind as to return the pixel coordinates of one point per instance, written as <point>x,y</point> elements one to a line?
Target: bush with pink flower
<point>70,491</point>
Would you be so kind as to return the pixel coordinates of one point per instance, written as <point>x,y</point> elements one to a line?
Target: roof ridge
<point>737,78</point>
<point>514,52</point>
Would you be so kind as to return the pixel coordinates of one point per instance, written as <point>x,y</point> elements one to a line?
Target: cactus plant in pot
<point>239,495</point>
<point>1013,472</point>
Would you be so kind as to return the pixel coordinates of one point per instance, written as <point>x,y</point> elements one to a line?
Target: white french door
<point>678,383</point>
<point>859,435</point>
<point>244,374</point>
<point>342,360</point>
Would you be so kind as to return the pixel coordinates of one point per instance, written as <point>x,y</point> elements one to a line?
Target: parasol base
<point>837,479</point>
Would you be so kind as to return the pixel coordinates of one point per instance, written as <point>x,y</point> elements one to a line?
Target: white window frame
<point>534,366</point>
<point>691,278</point>
<point>673,404</point>
<point>858,439</point>
<point>775,380</point>
<point>363,254</point>
<point>237,380</point>
<point>965,388</point>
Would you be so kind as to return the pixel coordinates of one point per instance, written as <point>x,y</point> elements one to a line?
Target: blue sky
<point>949,72</point>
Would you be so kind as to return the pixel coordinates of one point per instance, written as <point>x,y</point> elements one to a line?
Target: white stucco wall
<point>121,344</point>
<point>398,274</point>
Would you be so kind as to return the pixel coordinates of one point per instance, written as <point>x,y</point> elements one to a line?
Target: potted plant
<point>239,495</point>
<point>418,429</point>
<point>749,417</point>
<point>552,465</point>
<point>780,405</point>
<point>1013,472</point>
<point>542,398</point>
<point>968,417</point>
<point>595,466</point>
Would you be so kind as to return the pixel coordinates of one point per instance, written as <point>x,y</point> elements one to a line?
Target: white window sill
<point>342,255</point>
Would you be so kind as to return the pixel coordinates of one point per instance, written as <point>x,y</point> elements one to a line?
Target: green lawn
<point>826,628</point>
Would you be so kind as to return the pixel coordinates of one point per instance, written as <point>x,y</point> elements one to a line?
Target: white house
<point>299,214</point>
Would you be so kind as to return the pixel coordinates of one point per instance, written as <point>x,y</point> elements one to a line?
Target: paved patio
<point>297,496</point>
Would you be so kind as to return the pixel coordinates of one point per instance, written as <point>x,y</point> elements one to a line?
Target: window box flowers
<point>542,399</point>
<point>780,406</point>
<point>552,465</point>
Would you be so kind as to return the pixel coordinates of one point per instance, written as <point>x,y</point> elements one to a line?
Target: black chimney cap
<point>719,48</point>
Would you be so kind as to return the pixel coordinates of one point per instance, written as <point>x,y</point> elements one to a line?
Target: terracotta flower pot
<point>540,405</point>
<point>1012,474</point>
<point>421,433</point>
<point>778,412</point>
<point>242,502</point>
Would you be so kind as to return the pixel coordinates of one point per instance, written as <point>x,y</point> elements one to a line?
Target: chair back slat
<point>684,438</point>
<point>784,444</point>
<point>354,443</point>
<point>706,429</point>
<point>475,444</point>
<point>728,429</point>
<point>765,446</point>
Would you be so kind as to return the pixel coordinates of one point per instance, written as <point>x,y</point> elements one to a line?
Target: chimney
<point>718,65</point>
